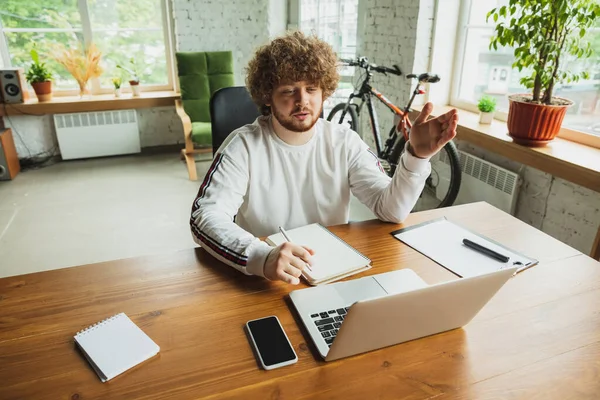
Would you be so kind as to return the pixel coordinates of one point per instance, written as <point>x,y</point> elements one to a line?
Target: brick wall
<point>210,25</point>
<point>32,134</point>
<point>562,209</point>
<point>36,134</point>
<point>395,32</point>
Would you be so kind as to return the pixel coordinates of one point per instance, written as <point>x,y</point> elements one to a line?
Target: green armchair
<point>200,75</point>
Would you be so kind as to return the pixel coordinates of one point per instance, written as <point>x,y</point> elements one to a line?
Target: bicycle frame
<point>401,120</point>
<point>390,153</point>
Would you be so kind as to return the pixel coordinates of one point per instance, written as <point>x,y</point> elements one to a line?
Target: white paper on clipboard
<point>441,241</point>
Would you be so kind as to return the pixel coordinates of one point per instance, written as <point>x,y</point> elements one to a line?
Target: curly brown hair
<point>293,57</point>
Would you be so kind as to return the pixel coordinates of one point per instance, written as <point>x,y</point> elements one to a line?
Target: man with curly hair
<point>291,168</point>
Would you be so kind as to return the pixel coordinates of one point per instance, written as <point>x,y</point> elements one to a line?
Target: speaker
<point>9,161</point>
<point>13,88</point>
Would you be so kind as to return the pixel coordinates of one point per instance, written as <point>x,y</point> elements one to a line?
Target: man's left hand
<point>428,137</point>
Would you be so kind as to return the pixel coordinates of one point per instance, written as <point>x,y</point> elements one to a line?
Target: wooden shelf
<point>575,162</point>
<point>103,102</point>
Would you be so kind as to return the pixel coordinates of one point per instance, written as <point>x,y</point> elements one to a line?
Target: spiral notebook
<point>115,345</point>
<point>334,259</point>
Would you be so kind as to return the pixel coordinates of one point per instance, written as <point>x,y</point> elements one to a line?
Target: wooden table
<point>538,338</point>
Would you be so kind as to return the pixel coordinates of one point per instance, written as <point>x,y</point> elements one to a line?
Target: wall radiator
<point>97,134</point>
<point>481,181</point>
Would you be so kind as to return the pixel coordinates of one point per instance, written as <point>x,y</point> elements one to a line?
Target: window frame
<point>461,41</point>
<point>296,5</point>
<point>86,29</point>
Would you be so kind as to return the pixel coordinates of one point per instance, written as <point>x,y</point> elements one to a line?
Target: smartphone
<point>272,345</point>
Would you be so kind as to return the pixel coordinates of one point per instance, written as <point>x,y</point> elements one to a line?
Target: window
<point>483,71</point>
<point>334,21</point>
<point>121,29</point>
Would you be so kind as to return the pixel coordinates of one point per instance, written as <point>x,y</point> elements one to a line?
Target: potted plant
<point>117,84</point>
<point>40,77</point>
<point>486,106</point>
<point>134,82</point>
<point>543,33</point>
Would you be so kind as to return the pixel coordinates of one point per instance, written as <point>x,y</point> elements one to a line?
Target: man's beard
<point>290,123</point>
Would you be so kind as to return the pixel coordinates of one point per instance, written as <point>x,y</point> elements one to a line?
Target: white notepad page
<point>333,259</point>
<point>441,240</point>
<point>115,345</point>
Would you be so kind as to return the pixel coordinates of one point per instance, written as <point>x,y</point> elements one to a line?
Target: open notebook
<point>115,345</point>
<point>334,259</point>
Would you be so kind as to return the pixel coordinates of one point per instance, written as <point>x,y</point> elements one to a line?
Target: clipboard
<point>442,241</point>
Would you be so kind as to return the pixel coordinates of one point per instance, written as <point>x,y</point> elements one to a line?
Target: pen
<point>287,239</point>
<point>484,250</point>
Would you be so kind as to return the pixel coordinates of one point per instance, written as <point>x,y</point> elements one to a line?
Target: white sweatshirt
<point>265,183</point>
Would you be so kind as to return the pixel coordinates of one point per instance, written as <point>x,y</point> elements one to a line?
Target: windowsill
<point>102,102</point>
<point>569,160</point>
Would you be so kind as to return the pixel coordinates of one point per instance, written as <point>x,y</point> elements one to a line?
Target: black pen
<point>484,250</point>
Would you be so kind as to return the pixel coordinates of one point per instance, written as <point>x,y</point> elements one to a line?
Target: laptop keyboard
<point>329,322</point>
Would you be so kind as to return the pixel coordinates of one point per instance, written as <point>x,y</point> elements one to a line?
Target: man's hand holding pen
<point>287,261</point>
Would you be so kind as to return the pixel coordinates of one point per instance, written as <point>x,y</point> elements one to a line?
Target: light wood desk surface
<point>538,338</point>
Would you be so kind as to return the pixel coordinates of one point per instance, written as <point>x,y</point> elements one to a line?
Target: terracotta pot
<point>43,90</point>
<point>534,124</point>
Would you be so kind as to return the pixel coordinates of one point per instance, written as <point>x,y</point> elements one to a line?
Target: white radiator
<point>97,134</point>
<point>481,181</point>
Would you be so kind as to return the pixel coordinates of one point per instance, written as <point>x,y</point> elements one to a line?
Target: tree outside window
<point>121,29</point>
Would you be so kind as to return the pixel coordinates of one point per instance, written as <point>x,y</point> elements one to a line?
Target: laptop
<point>360,315</point>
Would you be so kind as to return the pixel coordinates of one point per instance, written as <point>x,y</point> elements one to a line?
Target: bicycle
<point>434,194</point>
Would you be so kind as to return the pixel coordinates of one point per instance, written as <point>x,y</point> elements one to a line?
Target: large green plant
<point>37,72</point>
<point>543,33</point>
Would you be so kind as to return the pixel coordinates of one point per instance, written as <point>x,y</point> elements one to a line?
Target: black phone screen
<point>271,342</point>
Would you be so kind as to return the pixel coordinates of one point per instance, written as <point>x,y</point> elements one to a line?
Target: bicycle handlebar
<point>362,62</point>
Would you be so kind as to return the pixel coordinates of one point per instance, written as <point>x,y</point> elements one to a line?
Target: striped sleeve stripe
<point>209,242</point>
<point>376,158</point>
<point>199,232</point>
<point>207,179</point>
<point>219,249</point>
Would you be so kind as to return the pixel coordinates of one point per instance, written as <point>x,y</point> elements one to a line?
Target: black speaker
<point>13,88</point>
<point>9,161</point>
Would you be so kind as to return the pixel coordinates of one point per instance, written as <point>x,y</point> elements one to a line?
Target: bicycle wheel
<point>442,185</point>
<point>350,117</point>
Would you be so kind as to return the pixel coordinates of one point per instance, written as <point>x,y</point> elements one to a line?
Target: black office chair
<point>230,108</point>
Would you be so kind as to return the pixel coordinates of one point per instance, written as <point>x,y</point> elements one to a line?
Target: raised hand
<point>428,137</point>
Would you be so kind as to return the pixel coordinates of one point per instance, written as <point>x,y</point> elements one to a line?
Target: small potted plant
<point>117,81</point>
<point>40,77</point>
<point>486,106</point>
<point>543,34</point>
<point>134,82</point>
